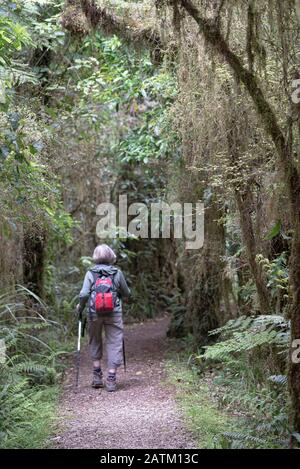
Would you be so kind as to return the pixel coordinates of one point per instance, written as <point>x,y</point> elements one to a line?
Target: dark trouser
<point>113,329</point>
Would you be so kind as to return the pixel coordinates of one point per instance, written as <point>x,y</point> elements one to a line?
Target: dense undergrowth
<point>241,380</point>
<point>33,349</point>
<point>201,413</point>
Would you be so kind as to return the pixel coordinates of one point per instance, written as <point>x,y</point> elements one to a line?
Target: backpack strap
<point>101,273</point>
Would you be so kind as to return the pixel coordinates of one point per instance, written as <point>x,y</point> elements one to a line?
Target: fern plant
<point>247,333</point>
<point>28,369</point>
<point>252,378</point>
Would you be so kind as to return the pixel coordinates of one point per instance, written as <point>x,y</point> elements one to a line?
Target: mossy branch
<point>211,32</point>
<point>131,21</point>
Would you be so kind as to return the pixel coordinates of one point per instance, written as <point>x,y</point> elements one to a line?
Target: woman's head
<point>103,254</point>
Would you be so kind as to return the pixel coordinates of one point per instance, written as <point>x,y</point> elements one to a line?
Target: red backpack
<point>103,293</point>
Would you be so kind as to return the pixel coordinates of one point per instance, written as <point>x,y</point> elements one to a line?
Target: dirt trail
<point>142,414</point>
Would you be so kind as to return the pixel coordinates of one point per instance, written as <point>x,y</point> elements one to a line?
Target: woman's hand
<point>79,313</point>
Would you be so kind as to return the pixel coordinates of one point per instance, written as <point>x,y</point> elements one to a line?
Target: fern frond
<point>242,437</point>
<point>278,379</point>
<point>32,368</point>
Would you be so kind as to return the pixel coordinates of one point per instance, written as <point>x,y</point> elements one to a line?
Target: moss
<point>133,23</point>
<point>75,21</point>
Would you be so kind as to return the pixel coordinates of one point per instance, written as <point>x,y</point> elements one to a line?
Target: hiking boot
<point>97,379</point>
<point>111,382</point>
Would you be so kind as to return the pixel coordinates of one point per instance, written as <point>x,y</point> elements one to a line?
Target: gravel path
<point>141,414</point>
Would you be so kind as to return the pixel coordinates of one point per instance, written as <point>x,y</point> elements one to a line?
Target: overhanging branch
<point>211,32</point>
<point>132,21</point>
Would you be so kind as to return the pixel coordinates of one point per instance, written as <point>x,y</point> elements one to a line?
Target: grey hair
<point>103,254</point>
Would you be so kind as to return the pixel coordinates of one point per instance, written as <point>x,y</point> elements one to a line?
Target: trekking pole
<point>78,350</point>
<point>124,353</point>
<point>81,329</point>
<point>124,356</point>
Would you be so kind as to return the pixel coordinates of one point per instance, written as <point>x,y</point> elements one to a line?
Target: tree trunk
<point>204,286</point>
<point>250,244</point>
<point>34,263</point>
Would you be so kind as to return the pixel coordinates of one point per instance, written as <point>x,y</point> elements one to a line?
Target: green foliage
<point>177,310</point>
<point>246,334</point>
<point>201,412</point>
<point>117,74</point>
<point>29,370</point>
<point>247,353</point>
<point>255,411</point>
<point>241,440</point>
<point>264,413</point>
<point>275,231</point>
<point>277,274</point>
<point>30,190</point>
<point>152,138</point>
<point>24,413</point>
<point>143,286</point>
<point>13,37</point>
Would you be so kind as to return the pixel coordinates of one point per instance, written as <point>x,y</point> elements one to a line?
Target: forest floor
<point>143,413</point>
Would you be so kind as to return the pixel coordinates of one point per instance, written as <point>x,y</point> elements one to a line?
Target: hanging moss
<point>74,20</point>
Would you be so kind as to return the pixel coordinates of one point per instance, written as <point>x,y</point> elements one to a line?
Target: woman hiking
<point>104,286</point>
